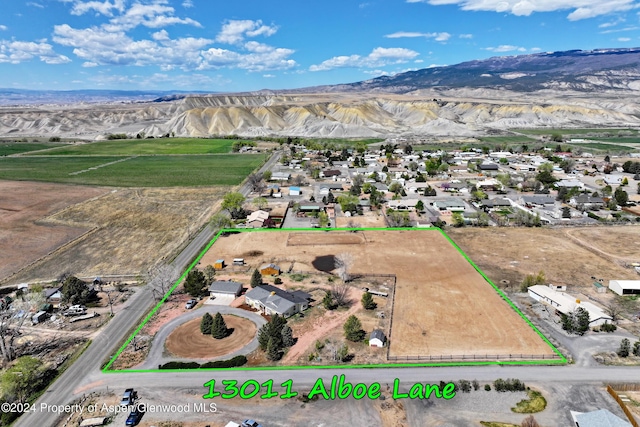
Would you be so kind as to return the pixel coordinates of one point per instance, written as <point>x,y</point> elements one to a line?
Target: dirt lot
<point>133,229</point>
<point>187,341</point>
<point>422,306</point>
<point>368,220</point>
<point>23,237</point>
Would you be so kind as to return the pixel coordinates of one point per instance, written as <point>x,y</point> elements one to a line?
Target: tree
<point>420,206</point>
<point>272,330</point>
<point>256,182</point>
<point>233,203</point>
<point>209,274</point>
<point>529,422</point>
<point>221,221</point>
<point>532,280</point>
<point>195,283</point>
<point>273,352</point>
<point>348,203</point>
<point>625,348</point>
<point>566,212</point>
<point>398,219</point>
<point>75,291</point>
<point>256,278</point>
<point>323,219</point>
<point>206,324</point>
<point>636,348</point>
<point>367,301</point>
<point>219,328</point>
<point>22,379</point>
<point>328,301</point>
<point>287,336</point>
<point>353,329</point>
<point>458,219</point>
<point>613,310</point>
<point>343,263</point>
<point>260,203</point>
<point>343,353</point>
<point>621,196</point>
<point>340,294</point>
<point>582,321</point>
<point>395,187</point>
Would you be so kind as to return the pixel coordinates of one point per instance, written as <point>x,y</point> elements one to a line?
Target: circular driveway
<point>157,355</point>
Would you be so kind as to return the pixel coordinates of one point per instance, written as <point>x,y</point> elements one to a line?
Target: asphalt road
<point>64,389</point>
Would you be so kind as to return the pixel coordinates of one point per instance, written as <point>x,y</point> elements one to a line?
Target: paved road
<point>156,357</point>
<point>108,341</point>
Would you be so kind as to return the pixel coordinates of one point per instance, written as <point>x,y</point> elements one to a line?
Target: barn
<point>269,270</point>
<point>625,287</point>
<point>565,303</point>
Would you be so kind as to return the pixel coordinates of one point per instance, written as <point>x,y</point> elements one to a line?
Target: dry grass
<point>134,229</point>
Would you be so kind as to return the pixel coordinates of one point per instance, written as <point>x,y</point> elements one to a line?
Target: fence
<point>623,405</point>
<point>478,357</point>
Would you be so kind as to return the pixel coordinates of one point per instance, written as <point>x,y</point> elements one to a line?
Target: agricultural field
<point>133,171</point>
<point>129,229</point>
<point>11,148</point>
<point>442,305</point>
<point>602,146</point>
<point>511,139</point>
<point>576,132</point>
<point>160,146</point>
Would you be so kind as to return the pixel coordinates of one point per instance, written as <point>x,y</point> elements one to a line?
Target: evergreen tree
<point>195,283</point>
<point>272,331</point>
<point>581,321</point>
<point>367,301</point>
<point>625,347</point>
<point>256,278</point>
<point>273,352</point>
<point>206,324</point>
<point>219,328</point>
<point>343,353</point>
<point>287,336</point>
<point>353,329</point>
<point>328,302</point>
<point>636,348</point>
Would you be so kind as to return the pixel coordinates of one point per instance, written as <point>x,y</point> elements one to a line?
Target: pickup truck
<point>128,397</point>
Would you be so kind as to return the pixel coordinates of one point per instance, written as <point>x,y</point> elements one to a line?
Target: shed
<point>377,338</point>
<point>294,191</point>
<point>238,261</point>
<point>219,264</point>
<point>625,287</point>
<point>39,317</point>
<point>270,269</point>
<point>224,288</point>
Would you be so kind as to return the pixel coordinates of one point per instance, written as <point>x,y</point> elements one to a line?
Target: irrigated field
<point>133,171</point>
<point>443,306</point>
<point>147,146</point>
<point>9,148</point>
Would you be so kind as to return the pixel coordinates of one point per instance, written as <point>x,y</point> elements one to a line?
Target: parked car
<point>190,304</point>
<point>128,397</point>
<point>134,417</point>
<point>251,423</point>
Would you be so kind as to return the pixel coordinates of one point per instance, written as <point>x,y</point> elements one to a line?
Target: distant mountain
<point>91,96</point>
<point>577,70</point>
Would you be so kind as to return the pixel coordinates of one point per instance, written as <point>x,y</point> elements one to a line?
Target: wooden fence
<point>623,405</point>
<point>478,357</point>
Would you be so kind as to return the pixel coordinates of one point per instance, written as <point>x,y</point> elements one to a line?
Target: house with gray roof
<point>224,288</point>
<point>600,418</point>
<point>272,300</point>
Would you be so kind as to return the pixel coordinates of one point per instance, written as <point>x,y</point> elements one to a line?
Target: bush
<point>508,385</point>
<point>180,365</point>
<point>487,387</point>
<point>231,363</point>
<point>608,327</point>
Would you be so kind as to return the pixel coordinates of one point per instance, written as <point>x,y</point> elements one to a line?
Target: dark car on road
<point>134,417</point>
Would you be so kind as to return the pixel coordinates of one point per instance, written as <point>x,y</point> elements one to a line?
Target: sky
<point>246,45</point>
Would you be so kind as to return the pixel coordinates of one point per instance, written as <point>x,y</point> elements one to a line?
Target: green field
<point>619,140</point>
<point>602,147</point>
<point>569,131</point>
<point>514,139</point>
<point>142,171</point>
<point>9,148</point>
<point>129,147</point>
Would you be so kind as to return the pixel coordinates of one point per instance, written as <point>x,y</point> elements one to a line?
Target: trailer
<point>39,317</point>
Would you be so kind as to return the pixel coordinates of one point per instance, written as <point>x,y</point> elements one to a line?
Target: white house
<point>625,287</point>
<point>565,303</point>
<point>377,338</point>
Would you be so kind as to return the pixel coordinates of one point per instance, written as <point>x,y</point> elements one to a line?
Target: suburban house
<point>222,288</point>
<point>272,300</point>
<point>565,303</point>
<point>488,167</point>
<point>280,176</point>
<point>377,338</point>
<point>53,296</point>
<point>453,205</point>
<point>538,201</point>
<point>490,205</point>
<point>599,418</point>
<point>256,219</point>
<point>613,179</point>
<point>570,183</point>
<point>588,202</point>
<point>269,270</point>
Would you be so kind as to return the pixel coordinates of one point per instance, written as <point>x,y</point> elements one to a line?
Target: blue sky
<point>240,45</point>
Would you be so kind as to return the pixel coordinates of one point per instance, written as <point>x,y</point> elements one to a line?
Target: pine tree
<point>636,348</point>
<point>273,352</point>
<point>625,347</point>
<point>343,353</point>
<point>581,321</point>
<point>328,302</point>
<point>219,328</point>
<point>195,283</point>
<point>367,301</point>
<point>206,324</point>
<point>287,336</point>
<point>256,278</point>
<point>353,329</point>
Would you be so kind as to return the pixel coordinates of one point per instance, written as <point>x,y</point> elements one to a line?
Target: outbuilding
<point>377,338</point>
<point>219,264</point>
<point>625,287</point>
<point>269,270</point>
<point>223,288</point>
<point>566,304</point>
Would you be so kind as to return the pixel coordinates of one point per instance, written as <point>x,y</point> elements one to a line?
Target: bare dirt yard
<point>24,237</point>
<point>187,341</point>
<point>132,229</point>
<point>442,305</point>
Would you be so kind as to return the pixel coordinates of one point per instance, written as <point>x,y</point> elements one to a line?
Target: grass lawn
<point>142,171</point>
<point>9,148</point>
<point>127,147</point>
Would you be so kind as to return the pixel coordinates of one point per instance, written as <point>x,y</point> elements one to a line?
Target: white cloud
<point>466,36</point>
<point>619,30</point>
<point>34,4</point>
<point>15,52</point>
<point>580,9</point>
<point>154,15</point>
<point>105,8</point>
<point>609,24</point>
<point>268,76</point>
<point>260,58</point>
<point>505,48</point>
<point>624,39</point>
<point>235,31</point>
<point>3,28</point>
<point>187,4</point>
<point>379,57</point>
<point>441,37</point>
<point>160,35</point>
<point>418,61</point>
<point>89,64</point>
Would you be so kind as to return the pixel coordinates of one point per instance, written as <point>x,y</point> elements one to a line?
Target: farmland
<point>133,171</point>
<point>576,132</point>
<point>10,148</point>
<point>147,146</point>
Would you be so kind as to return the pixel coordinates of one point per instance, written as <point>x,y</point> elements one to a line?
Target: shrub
<point>608,327</point>
<point>487,387</point>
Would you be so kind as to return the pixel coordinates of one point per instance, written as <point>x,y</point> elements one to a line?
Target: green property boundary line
<point>562,359</point>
